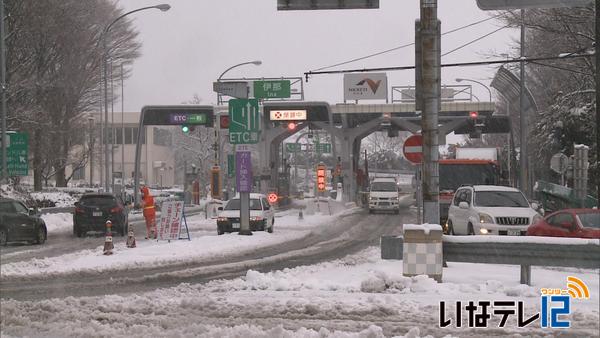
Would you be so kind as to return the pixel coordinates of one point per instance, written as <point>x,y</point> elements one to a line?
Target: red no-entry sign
<point>273,198</point>
<point>413,149</point>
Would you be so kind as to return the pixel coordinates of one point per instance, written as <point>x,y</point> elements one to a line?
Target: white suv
<point>490,210</point>
<point>384,195</point>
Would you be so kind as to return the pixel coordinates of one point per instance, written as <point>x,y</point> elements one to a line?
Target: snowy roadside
<point>357,296</point>
<point>153,254</point>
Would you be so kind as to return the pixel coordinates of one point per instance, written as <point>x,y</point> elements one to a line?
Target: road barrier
<point>523,251</point>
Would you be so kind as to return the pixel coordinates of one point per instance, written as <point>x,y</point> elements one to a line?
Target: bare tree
<point>54,64</point>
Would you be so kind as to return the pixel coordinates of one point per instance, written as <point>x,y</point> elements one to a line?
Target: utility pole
<point>524,154</point>
<point>597,39</point>
<point>3,87</point>
<point>429,69</point>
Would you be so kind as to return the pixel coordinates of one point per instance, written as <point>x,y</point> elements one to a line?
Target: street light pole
<point>486,87</point>
<point>162,7</point>
<point>255,62</point>
<point>3,87</point>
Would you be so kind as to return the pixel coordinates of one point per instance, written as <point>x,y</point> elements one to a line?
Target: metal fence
<point>582,253</point>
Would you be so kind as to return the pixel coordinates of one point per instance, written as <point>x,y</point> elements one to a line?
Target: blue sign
<point>243,161</point>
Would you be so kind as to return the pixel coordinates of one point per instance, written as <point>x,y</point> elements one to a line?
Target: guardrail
<point>523,251</point>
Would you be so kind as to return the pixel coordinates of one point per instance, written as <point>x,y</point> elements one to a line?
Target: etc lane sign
<point>244,121</point>
<point>244,171</point>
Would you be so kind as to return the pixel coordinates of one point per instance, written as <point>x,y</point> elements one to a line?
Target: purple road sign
<point>243,172</point>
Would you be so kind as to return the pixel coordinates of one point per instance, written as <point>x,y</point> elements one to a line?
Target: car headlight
<point>394,198</point>
<point>221,219</point>
<point>256,218</point>
<point>484,231</point>
<point>485,218</point>
<point>537,218</point>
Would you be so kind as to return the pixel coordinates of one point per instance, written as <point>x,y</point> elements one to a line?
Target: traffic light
<point>477,125</point>
<point>186,128</point>
<point>224,121</point>
<point>291,126</point>
<point>321,172</point>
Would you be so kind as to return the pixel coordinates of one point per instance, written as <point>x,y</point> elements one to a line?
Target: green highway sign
<point>293,147</point>
<point>323,148</point>
<point>17,151</point>
<point>244,121</point>
<point>272,89</point>
<point>196,119</point>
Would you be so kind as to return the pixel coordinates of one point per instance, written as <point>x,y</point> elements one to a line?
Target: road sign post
<point>413,149</point>
<point>244,121</point>
<point>17,154</point>
<point>244,186</point>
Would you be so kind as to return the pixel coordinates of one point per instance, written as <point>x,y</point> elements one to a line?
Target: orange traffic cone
<point>108,241</point>
<point>131,237</point>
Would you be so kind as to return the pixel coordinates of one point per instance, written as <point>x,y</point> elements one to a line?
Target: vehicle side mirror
<point>220,208</point>
<point>463,205</point>
<point>535,206</point>
<point>32,212</point>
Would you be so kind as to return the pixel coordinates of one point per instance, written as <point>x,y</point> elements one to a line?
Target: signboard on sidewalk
<point>171,217</point>
<point>17,154</point>
<point>243,161</point>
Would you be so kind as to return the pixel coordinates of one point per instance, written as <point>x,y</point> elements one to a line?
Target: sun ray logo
<point>374,85</point>
<point>576,288</point>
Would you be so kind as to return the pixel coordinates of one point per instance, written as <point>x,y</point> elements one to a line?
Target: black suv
<point>93,210</point>
<point>20,224</point>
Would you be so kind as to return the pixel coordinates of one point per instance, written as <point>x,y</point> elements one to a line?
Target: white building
<point>157,161</point>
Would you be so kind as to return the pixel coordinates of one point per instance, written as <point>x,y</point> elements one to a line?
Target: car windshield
<point>384,186</point>
<point>500,199</point>
<point>98,201</point>
<point>589,219</point>
<point>235,204</point>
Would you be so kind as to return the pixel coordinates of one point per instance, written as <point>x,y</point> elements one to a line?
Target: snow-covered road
<point>317,238</point>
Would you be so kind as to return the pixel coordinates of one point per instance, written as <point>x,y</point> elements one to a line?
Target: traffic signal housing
<point>321,177</point>
<point>187,128</point>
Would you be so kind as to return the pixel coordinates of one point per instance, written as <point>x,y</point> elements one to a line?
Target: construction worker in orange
<point>149,212</point>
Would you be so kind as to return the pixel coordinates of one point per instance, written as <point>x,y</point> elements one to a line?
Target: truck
<point>384,195</point>
<point>471,166</point>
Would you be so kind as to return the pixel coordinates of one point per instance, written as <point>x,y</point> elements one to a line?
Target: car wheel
<point>40,236</point>
<point>471,230</point>
<point>219,230</point>
<point>450,228</point>
<point>3,237</point>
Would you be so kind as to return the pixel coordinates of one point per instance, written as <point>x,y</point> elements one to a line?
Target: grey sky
<point>187,48</point>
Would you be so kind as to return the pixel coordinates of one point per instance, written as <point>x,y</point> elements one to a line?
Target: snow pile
<point>59,222</point>
<point>426,228</point>
<point>357,296</point>
<point>53,199</point>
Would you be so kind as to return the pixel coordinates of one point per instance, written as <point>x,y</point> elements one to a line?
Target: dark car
<point>20,224</point>
<point>93,210</point>
<point>579,223</point>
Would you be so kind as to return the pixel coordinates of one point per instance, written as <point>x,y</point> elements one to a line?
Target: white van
<point>383,195</point>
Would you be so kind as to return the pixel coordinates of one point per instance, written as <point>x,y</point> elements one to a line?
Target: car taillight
<point>116,210</point>
<point>79,210</point>
<point>221,219</point>
<point>256,218</point>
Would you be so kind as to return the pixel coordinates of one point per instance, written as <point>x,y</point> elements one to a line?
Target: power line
<point>475,40</point>
<point>458,64</point>
<point>408,44</point>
